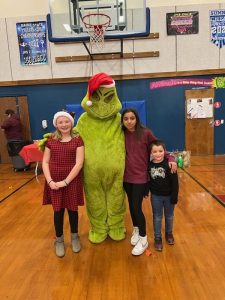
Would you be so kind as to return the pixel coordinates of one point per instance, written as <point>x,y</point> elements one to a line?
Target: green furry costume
<point>100,129</point>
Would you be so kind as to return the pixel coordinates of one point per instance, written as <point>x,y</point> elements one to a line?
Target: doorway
<point>199,121</point>
<point>19,105</point>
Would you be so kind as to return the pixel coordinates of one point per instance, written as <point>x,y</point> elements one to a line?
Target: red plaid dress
<point>62,160</point>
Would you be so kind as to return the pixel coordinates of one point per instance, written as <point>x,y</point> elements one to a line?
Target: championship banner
<point>32,43</point>
<point>217,27</point>
<point>182,23</point>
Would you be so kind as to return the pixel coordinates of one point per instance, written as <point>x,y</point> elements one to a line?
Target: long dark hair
<point>138,126</point>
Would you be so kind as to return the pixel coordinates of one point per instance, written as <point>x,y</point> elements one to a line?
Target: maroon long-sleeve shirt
<point>138,155</point>
<point>13,128</point>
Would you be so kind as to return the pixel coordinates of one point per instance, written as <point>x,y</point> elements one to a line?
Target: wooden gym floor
<point>194,268</point>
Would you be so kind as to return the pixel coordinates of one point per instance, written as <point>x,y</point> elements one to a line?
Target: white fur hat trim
<point>62,114</point>
<point>108,85</point>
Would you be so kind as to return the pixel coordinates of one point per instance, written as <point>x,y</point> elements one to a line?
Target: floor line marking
<point>211,194</point>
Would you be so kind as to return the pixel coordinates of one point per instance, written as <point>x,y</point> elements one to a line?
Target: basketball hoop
<point>96,25</point>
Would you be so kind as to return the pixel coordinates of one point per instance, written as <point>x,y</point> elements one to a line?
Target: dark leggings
<point>59,221</point>
<point>135,193</point>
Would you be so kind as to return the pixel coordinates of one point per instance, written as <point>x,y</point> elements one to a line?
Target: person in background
<point>136,177</point>
<point>164,193</point>
<point>12,126</point>
<point>62,166</point>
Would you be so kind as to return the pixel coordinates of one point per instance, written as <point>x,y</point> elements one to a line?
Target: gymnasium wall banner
<point>32,43</point>
<point>217,27</point>
<point>203,82</point>
<point>216,82</point>
<point>182,23</point>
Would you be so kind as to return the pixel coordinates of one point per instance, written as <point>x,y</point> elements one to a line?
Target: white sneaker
<point>141,246</point>
<point>135,236</point>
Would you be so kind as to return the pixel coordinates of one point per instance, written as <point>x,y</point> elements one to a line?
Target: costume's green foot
<point>117,234</point>
<point>96,237</point>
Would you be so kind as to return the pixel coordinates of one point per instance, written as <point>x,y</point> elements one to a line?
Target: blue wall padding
<point>139,106</point>
<point>77,108</point>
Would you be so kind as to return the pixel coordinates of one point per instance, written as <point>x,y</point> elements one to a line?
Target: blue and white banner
<point>32,43</point>
<point>217,25</point>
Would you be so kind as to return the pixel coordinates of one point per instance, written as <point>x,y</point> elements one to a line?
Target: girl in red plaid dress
<point>62,163</point>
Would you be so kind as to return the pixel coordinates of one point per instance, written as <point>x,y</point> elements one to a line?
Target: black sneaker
<point>170,239</point>
<point>158,245</point>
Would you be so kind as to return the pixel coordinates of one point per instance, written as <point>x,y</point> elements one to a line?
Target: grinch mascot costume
<point>100,128</point>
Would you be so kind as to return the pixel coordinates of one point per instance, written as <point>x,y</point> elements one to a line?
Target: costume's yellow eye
<point>95,96</point>
<point>109,98</point>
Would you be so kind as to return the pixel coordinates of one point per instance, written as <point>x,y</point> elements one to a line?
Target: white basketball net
<point>97,36</point>
<point>96,25</point>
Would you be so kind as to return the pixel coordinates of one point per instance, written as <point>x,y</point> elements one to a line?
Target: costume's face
<point>105,103</point>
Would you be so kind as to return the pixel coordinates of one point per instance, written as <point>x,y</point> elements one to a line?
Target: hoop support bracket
<point>91,54</point>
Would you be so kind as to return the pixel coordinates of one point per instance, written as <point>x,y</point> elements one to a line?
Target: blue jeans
<point>160,203</point>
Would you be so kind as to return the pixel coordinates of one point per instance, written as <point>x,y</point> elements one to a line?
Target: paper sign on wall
<point>182,23</point>
<point>200,108</point>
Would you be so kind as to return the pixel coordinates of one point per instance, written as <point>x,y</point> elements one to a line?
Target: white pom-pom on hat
<point>89,103</point>
<point>62,114</point>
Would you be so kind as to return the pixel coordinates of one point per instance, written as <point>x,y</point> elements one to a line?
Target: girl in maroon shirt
<point>136,178</point>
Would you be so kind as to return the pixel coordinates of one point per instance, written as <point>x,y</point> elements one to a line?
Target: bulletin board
<point>199,108</point>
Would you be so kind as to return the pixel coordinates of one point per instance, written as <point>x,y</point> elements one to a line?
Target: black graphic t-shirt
<point>162,181</point>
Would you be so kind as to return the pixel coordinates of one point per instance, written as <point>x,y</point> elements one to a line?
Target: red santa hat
<point>62,114</point>
<point>97,81</point>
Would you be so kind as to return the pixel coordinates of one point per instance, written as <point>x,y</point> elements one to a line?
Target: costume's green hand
<point>43,142</point>
<point>47,135</point>
<point>74,130</point>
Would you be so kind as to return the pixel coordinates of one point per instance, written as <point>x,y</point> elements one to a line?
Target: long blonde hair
<point>58,136</point>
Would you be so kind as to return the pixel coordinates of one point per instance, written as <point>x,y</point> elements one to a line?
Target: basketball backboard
<point>128,18</point>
